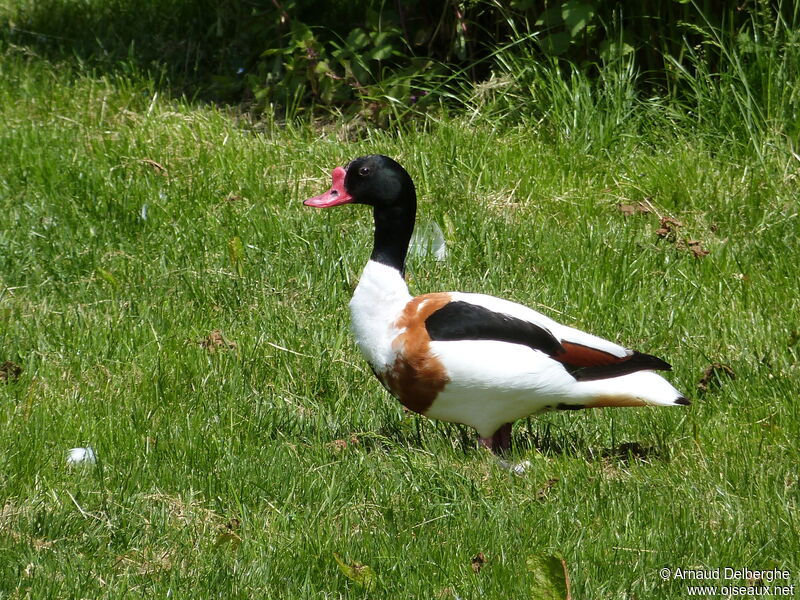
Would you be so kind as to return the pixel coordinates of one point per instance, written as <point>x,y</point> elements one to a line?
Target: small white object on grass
<point>516,468</point>
<point>428,240</point>
<point>81,456</point>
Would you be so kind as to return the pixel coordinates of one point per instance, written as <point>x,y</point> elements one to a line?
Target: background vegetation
<point>166,299</point>
<point>382,58</point>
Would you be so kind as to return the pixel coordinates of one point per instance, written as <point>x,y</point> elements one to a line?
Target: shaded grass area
<point>133,227</point>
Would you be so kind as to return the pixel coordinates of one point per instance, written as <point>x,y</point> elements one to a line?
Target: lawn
<point>166,299</point>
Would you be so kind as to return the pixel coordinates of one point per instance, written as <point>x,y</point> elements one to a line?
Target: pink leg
<point>500,442</point>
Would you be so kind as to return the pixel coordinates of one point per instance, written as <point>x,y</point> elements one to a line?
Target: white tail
<point>636,389</point>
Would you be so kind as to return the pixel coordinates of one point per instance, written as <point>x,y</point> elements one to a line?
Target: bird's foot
<point>500,441</point>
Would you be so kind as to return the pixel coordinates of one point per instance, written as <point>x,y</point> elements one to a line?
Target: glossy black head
<point>375,180</point>
<point>380,182</point>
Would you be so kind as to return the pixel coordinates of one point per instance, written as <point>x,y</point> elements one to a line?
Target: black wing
<point>464,321</point>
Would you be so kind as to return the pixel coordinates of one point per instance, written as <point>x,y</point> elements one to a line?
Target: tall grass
<point>708,68</point>
<point>724,86</point>
<point>752,94</point>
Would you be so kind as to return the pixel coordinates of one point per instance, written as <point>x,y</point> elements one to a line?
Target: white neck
<point>377,302</point>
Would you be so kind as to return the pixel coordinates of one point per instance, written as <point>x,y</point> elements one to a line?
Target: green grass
<point>103,303</point>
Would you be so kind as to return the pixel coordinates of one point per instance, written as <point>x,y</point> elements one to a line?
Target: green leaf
<point>548,577</point>
<point>745,42</point>
<point>551,17</point>
<point>236,253</point>
<point>228,539</point>
<point>576,15</point>
<point>380,53</point>
<point>273,52</point>
<point>322,67</point>
<point>613,49</point>
<point>361,574</point>
<point>556,43</point>
<point>357,39</point>
<point>108,277</point>
<point>301,32</point>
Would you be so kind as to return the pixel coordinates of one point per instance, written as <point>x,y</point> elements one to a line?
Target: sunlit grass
<point>133,226</point>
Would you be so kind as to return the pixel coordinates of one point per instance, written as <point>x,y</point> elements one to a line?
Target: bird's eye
<point>363,171</point>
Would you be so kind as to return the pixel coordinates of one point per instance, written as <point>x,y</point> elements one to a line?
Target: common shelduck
<point>472,358</point>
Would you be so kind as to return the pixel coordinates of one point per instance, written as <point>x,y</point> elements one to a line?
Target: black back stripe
<point>638,361</point>
<point>460,320</point>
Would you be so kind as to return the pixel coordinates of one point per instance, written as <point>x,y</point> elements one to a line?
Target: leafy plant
<point>385,61</point>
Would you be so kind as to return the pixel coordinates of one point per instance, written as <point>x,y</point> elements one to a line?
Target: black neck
<point>393,228</point>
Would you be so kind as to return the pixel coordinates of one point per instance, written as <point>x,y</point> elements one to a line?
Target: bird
<point>472,358</point>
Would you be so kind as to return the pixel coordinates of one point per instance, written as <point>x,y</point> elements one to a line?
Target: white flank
<point>493,383</point>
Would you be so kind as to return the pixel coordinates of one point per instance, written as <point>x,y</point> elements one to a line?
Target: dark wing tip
<point>638,361</point>
<point>683,401</point>
<point>647,361</point>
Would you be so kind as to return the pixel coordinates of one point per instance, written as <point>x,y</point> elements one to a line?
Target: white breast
<point>377,302</point>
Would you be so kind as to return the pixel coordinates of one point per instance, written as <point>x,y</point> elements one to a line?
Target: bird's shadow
<point>417,432</point>
<point>555,442</point>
